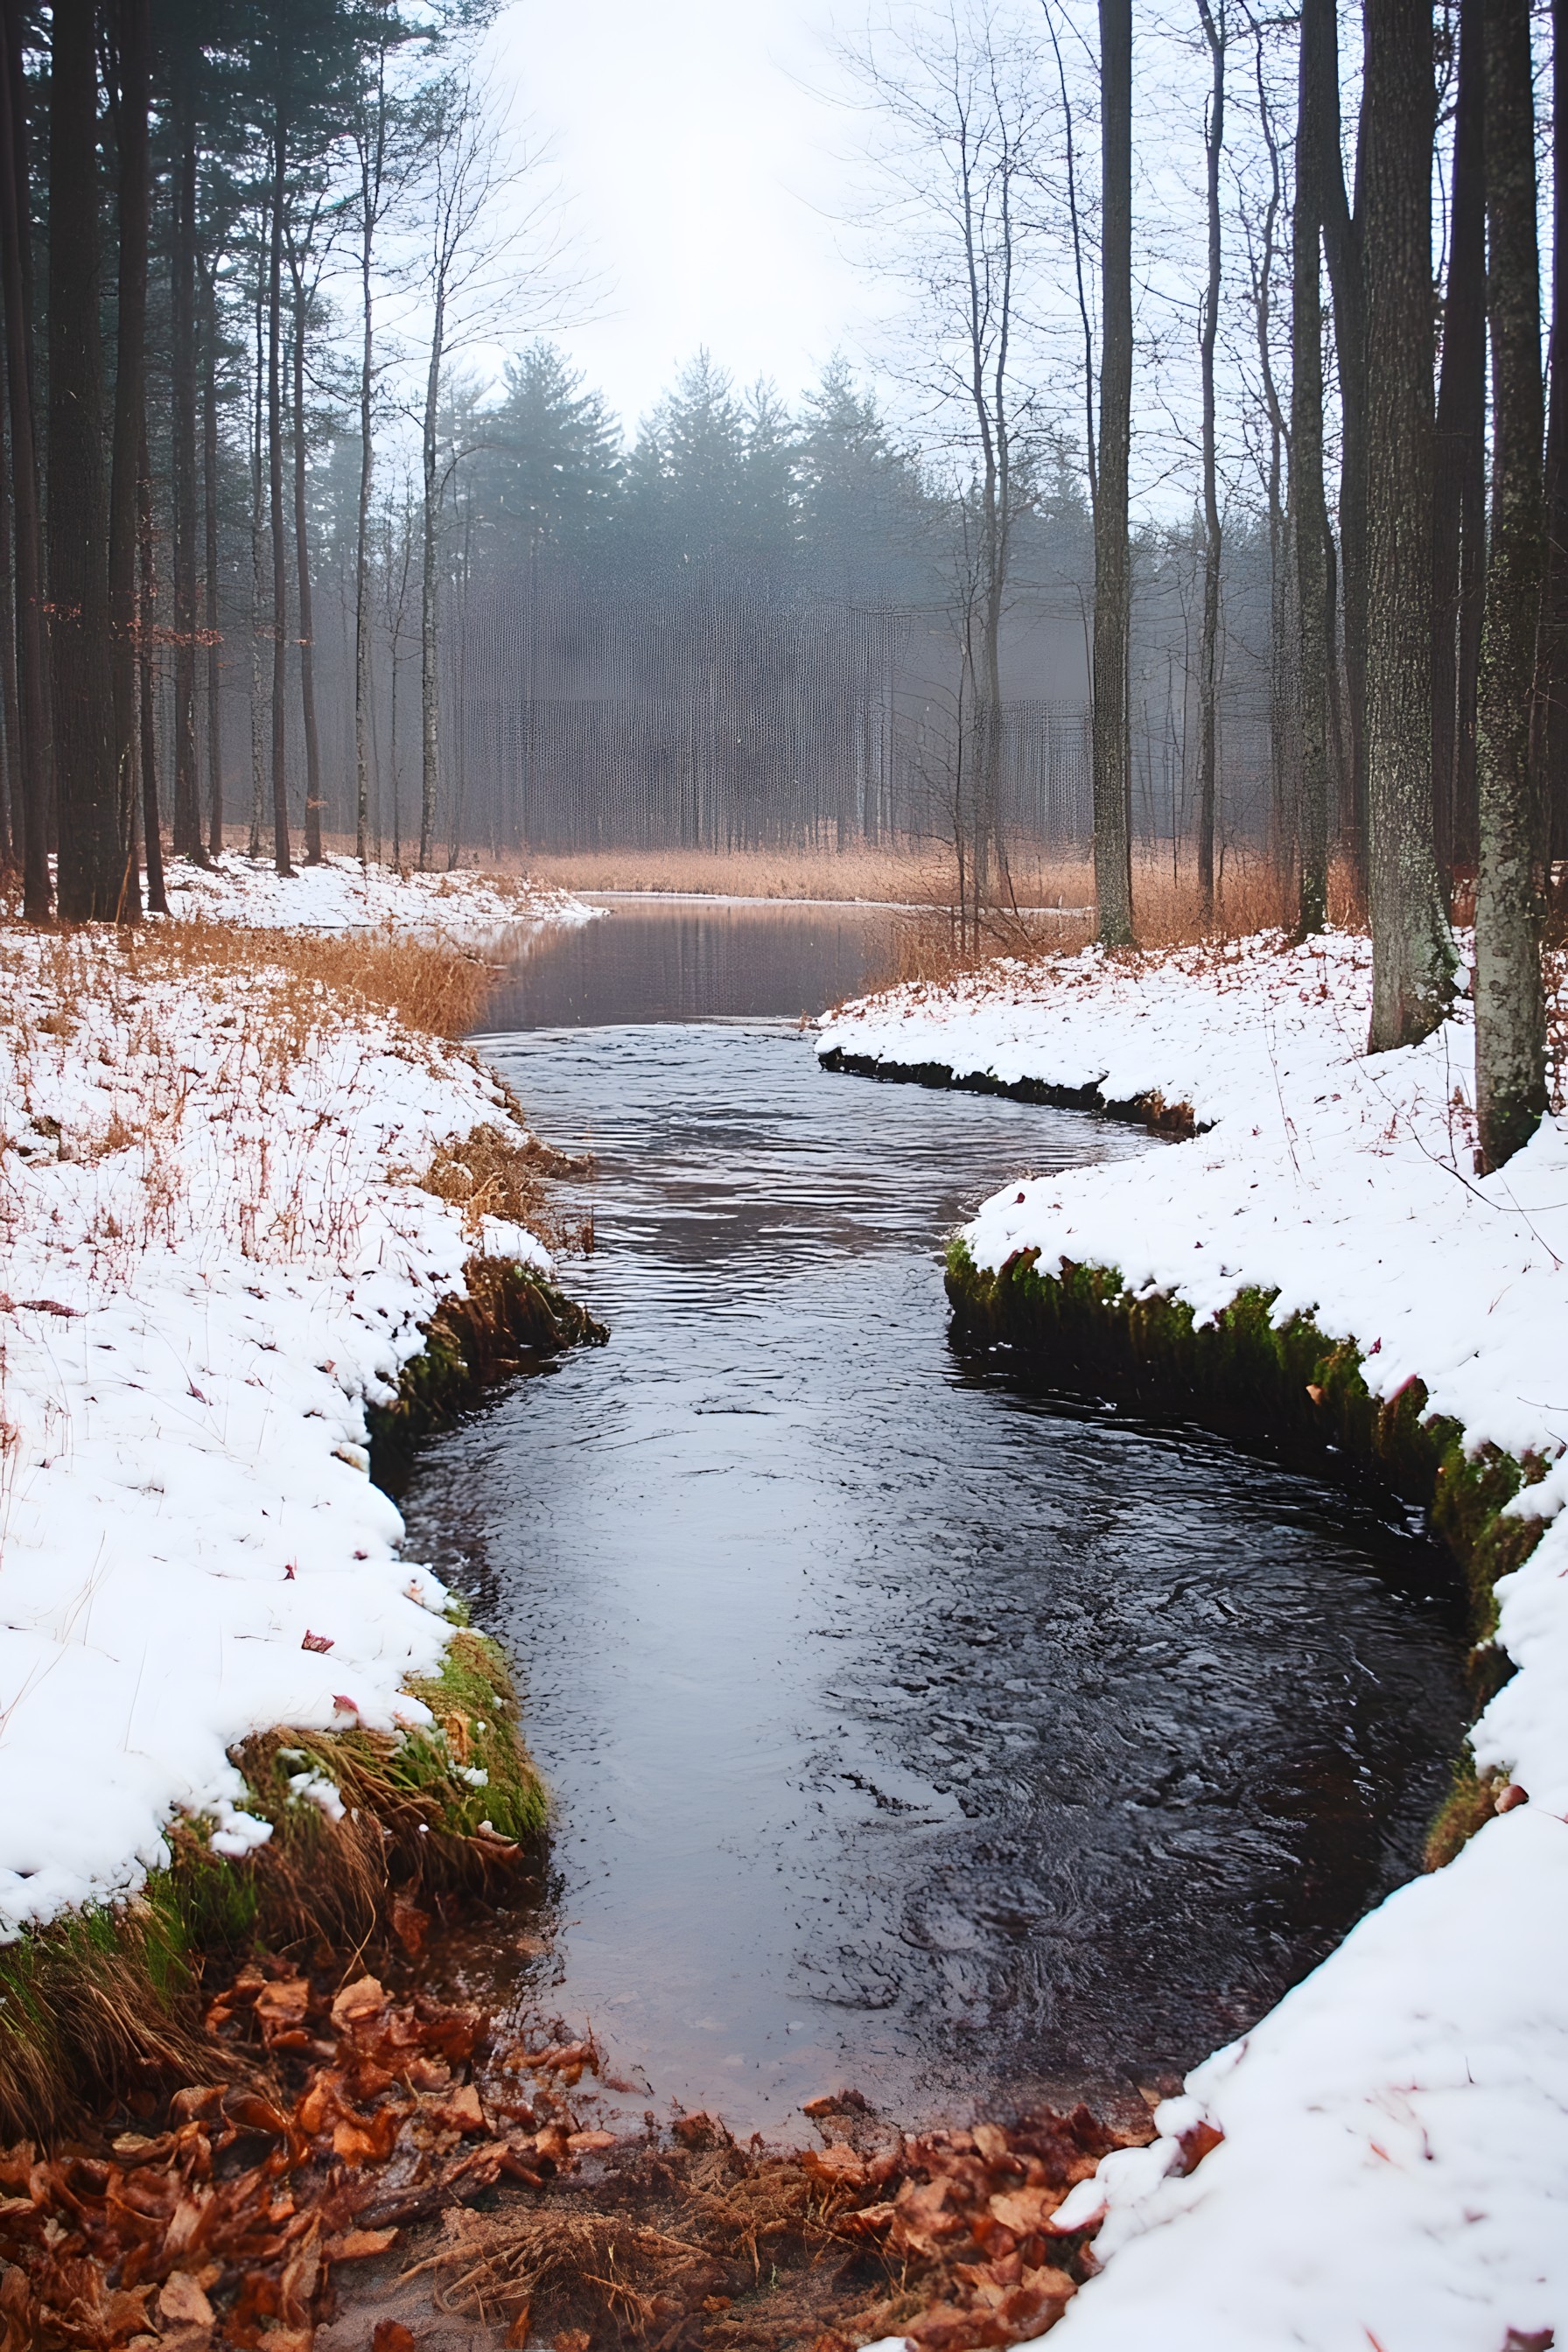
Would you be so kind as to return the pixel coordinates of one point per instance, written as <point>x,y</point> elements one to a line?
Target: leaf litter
<point>362,2127</point>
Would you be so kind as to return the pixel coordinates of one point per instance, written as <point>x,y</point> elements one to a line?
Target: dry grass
<point>431,985</point>
<point>493,1174</point>
<point>898,877</point>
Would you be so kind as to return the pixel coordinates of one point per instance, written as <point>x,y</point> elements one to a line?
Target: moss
<point>102,2004</point>
<point>1469,1804</point>
<point>1290,1385</point>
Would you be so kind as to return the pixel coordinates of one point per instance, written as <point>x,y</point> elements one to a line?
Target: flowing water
<point>908,1725</point>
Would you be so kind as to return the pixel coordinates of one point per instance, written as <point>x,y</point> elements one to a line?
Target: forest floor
<point>1391,2143</point>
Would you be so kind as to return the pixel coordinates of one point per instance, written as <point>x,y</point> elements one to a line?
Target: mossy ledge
<point>103,2005</point>
<point>1293,1388</point>
<point>1151,1111</point>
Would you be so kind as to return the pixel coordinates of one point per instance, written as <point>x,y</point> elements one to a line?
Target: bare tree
<point>1309,504</point>
<point>1216,34</point>
<point>1510,1011</point>
<point>1413,953</point>
<point>1113,552</point>
<point>493,255</point>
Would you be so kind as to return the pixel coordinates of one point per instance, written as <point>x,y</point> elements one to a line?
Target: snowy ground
<point>215,1255</point>
<point>340,894</point>
<point>1394,2170</point>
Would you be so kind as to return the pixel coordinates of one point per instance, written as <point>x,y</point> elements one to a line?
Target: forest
<point>285,560</point>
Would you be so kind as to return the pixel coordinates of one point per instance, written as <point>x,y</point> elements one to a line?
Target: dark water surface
<point>907,1725</point>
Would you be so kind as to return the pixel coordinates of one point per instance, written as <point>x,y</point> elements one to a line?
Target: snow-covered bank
<point>1394,2166</point>
<point>340,894</point>
<point>218,1254</point>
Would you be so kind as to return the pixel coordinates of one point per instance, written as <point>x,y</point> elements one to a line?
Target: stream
<point>908,1725</point>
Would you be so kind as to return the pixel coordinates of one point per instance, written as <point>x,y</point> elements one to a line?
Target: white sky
<point>705,176</point>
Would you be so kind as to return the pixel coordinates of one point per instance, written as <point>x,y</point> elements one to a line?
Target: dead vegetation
<point>492,1173</point>
<point>236,2213</point>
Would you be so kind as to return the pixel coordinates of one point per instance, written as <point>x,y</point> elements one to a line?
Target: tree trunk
<point>132,21</point>
<point>30,782</point>
<point>280,847</point>
<point>1345,242</point>
<point>302,569</point>
<point>258,576</point>
<point>1113,566</point>
<point>1459,518</point>
<point>209,523</point>
<point>11,817</point>
<point>370,179</point>
<point>429,682</point>
<point>152,829</point>
<point>90,871</point>
<point>1208,642</point>
<point>1412,954</point>
<point>1551,708</point>
<point>1510,1011</point>
<point>1308,502</point>
<point>187,813</point>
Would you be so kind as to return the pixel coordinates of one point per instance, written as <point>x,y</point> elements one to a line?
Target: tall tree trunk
<point>1413,953</point>
<point>187,813</point>
<point>1458,521</point>
<point>258,574</point>
<point>9,713</point>
<point>281,846</point>
<point>132,23</point>
<point>209,519</point>
<point>87,807</point>
<point>152,827</point>
<point>1345,242</point>
<point>302,569</point>
<point>1308,502</point>
<point>1112,564</point>
<point>429,635</point>
<point>1551,708</point>
<point>373,152</point>
<point>1510,1011</point>
<point>1208,642</point>
<point>30,783</point>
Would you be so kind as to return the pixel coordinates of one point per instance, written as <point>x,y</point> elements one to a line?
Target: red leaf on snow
<point>315,1642</point>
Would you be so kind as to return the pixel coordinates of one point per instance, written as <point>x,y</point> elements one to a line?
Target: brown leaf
<point>1023,2210</point>
<point>180,2299</point>
<point>573,2339</point>
<point>358,2245</point>
<point>867,2221</point>
<point>590,2143</point>
<point>391,2336</point>
<point>368,2140</point>
<point>518,2333</point>
<point>409,1925</point>
<point>357,2004</point>
<point>462,2111</point>
<point>1196,2144</point>
<point>838,2166</point>
<point>283,2003</point>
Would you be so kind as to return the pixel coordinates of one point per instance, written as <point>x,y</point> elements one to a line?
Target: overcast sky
<point>704,170</point>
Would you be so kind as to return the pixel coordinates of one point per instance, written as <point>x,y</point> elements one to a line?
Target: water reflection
<point>906,1725</point>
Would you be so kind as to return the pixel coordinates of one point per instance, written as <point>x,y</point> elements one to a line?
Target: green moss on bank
<point>1292,1386</point>
<point>103,2003</point>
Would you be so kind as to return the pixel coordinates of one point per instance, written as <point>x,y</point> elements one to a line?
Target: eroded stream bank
<point>907,1725</point>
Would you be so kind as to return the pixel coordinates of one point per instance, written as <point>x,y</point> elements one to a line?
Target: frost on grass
<point>1390,2145</point>
<point>220,1243</point>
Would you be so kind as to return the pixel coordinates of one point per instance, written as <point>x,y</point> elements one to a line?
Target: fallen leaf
<point>361,1999</point>
<point>573,2339</point>
<point>590,2143</point>
<point>1023,2210</point>
<point>181,2299</point>
<point>838,2166</point>
<point>359,2245</point>
<point>409,1925</point>
<point>315,1642</point>
<point>1196,2144</point>
<point>391,2336</point>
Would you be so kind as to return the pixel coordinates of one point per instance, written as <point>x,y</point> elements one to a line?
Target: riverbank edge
<point>1146,1110</point>
<point>104,2002</point>
<point>1303,1393</point>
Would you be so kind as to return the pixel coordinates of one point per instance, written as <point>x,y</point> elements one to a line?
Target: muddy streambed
<point>908,1725</point>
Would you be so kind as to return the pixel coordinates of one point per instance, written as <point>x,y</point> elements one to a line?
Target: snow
<point>216,1256</point>
<point>1394,2170</point>
<point>340,894</point>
